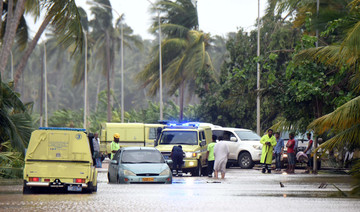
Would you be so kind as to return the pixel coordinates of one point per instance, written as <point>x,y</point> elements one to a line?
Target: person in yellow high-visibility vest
<point>268,141</point>
<point>115,146</point>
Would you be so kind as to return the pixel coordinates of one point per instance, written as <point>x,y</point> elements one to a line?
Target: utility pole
<point>258,128</point>
<point>315,168</point>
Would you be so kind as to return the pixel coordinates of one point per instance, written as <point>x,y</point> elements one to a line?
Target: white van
<point>244,145</point>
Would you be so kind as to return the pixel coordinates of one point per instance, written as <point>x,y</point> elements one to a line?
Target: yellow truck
<point>193,138</point>
<point>131,135</point>
<point>59,158</point>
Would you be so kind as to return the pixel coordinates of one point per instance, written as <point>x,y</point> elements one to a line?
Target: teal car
<point>139,165</point>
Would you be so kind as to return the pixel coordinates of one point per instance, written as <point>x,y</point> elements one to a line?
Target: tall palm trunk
<point>30,49</point>
<point>182,89</point>
<point>12,24</point>
<point>97,95</point>
<point>1,9</point>
<point>108,65</point>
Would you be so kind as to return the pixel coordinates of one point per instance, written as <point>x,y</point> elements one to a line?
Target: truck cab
<point>59,158</point>
<point>193,139</point>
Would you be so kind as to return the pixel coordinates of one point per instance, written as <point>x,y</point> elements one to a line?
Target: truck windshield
<point>248,136</point>
<point>142,156</point>
<point>179,137</point>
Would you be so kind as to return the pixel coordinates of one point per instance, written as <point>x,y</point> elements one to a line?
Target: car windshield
<point>248,136</point>
<point>142,156</point>
<point>179,137</point>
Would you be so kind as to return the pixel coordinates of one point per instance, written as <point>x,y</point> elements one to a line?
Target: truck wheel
<point>197,171</point>
<point>204,171</point>
<point>245,161</point>
<point>26,190</point>
<point>89,189</point>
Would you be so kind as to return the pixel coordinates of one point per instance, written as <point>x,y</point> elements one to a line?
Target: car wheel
<point>108,175</point>
<point>117,180</point>
<point>245,161</point>
<point>197,171</point>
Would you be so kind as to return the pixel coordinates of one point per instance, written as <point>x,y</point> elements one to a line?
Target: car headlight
<point>190,154</point>
<point>129,173</point>
<point>166,172</point>
<point>258,147</point>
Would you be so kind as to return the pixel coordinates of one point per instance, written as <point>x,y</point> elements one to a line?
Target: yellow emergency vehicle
<point>131,135</point>
<point>193,138</point>
<point>59,158</point>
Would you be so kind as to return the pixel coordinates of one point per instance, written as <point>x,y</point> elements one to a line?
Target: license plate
<point>166,157</point>
<point>74,188</point>
<point>148,179</point>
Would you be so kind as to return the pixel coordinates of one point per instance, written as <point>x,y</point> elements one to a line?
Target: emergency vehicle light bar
<point>189,124</point>
<point>62,128</point>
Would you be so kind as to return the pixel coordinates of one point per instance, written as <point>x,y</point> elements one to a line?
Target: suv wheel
<point>245,161</point>
<point>197,171</point>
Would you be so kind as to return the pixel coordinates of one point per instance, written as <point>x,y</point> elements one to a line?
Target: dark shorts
<point>291,158</point>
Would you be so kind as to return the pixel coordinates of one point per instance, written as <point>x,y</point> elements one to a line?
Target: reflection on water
<point>249,189</point>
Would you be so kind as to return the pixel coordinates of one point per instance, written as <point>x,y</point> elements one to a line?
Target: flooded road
<point>245,190</point>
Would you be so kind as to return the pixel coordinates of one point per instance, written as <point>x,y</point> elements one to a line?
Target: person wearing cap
<point>115,146</point>
<point>268,141</point>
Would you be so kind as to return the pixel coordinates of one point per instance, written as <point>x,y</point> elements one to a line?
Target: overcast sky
<point>217,17</point>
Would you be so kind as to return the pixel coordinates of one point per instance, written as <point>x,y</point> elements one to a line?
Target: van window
<point>152,133</point>
<point>203,136</point>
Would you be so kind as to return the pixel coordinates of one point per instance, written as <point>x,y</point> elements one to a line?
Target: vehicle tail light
<point>126,179</point>
<point>46,180</point>
<point>79,180</point>
<point>34,179</point>
<point>168,179</point>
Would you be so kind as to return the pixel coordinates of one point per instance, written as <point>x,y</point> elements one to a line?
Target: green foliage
<point>11,161</point>
<point>15,121</point>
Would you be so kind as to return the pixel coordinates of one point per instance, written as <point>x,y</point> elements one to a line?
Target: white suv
<point>244,145</point>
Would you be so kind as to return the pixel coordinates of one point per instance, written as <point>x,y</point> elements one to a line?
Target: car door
<point>225,136</point>
<point>232,142</point>
<point>113,168</point>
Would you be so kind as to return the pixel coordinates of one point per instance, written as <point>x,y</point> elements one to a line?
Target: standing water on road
<point>245,190</point>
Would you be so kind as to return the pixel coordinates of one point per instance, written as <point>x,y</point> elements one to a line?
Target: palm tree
<point>344,122</point>
<point>8,34</point>
<point>62,15</point>
<point>106,40</point>
<point>184,48</point>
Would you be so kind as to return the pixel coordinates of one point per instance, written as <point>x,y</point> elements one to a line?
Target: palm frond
<point>342,118</point>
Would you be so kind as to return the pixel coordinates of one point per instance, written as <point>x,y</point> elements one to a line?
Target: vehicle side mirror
<point>155,142</point>
<point>114,162</point>
<point>203,143</point>
<point>233,139</point>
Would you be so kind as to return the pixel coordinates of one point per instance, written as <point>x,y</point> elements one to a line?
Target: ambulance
<point>59,158</point>
<point>131,135</point>
<point>193,138</point>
